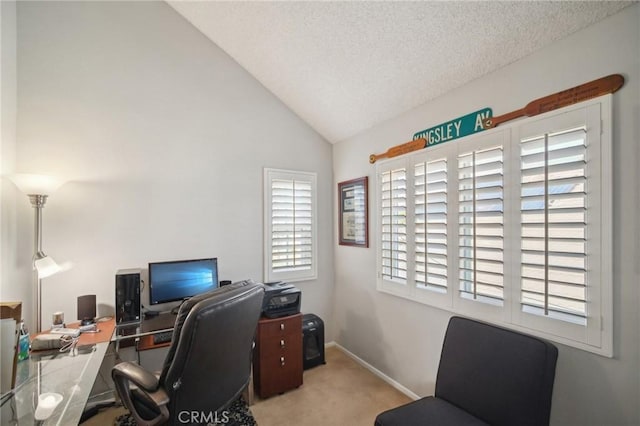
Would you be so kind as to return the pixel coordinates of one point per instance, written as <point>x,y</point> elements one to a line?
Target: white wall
<point>15,274</point>
<point>165,139</point>
<point>403,339</point>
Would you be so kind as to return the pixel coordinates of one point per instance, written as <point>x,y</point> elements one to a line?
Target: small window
<point>290,225</point>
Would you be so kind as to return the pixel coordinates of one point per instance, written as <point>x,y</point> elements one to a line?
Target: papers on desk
<point>44,342</point>
<point>55,339</point>
<point>73,332</point>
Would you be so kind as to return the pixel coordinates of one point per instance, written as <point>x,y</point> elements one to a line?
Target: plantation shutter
<point>430,200</point>
<point>394,225</point>
<point>291,225</point>
<point>554,225</point>
<point>481,225</point>
<point>290,231</point>
<point>513,226</point>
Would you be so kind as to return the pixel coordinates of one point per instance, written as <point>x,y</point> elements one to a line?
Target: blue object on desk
<point>23,343</point>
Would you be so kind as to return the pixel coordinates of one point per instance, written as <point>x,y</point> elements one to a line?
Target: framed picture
<point>353,211</point>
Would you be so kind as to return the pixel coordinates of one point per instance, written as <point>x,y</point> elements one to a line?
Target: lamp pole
<point>37,188</point>
<point>38,201</point>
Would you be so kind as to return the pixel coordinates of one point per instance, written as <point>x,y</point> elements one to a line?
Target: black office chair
<point>487,376</point>
<point>208,364</point>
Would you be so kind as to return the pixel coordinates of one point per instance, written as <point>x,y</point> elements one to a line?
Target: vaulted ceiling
<point>344,67</point>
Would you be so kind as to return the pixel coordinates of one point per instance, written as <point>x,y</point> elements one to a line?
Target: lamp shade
<point>31,184</point>
<point>45,265</point>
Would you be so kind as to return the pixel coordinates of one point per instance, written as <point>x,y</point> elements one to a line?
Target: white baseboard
<point>375,371</point>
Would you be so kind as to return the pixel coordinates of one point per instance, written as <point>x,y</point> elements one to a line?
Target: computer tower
<point>312,341</point>
<point>128,297</point>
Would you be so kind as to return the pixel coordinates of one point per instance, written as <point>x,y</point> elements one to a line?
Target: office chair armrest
<point>158,397</point>
<point>148,394</point>
<point>137,375</point>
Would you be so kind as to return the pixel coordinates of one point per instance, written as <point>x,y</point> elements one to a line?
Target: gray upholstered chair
<point>487,376</point>
<point>209,361</point>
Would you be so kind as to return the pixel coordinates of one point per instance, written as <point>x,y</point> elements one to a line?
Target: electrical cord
<point>68,343</point>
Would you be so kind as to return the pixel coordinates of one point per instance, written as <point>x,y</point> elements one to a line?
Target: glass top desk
<point>70,374</point>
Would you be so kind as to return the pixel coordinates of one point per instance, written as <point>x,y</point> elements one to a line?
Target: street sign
<point>455,129</point>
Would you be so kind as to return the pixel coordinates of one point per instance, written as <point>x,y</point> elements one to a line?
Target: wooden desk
<point>161,322</point>
<point>144,332</point>
<point>104,334</point>
<point>146,342</point>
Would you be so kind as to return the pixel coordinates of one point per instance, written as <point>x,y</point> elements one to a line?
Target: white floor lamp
<point>38,188</point>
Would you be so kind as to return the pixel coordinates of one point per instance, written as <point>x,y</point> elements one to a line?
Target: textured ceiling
<point>344,67</point>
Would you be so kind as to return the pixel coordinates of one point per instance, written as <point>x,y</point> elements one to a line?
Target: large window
<point>512,225</point>
<point>290,225</point>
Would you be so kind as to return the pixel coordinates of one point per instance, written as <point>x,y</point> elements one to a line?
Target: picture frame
<point>353,211</point>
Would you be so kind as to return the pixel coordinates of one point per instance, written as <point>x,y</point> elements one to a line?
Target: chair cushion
<point>427,411</point>
<point>500,376</point>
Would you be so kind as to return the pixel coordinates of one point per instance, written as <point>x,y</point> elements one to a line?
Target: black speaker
<point>312,341</point>
<point>87,309</point>
<point>127,297</point>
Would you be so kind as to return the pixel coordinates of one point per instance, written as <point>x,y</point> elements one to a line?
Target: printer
<point>280,299</point>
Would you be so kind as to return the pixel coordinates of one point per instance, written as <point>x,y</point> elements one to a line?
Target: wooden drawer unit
<point>277,357</point>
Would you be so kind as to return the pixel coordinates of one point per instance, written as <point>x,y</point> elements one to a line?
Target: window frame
<point>597,335</point>
<point>269,175</point>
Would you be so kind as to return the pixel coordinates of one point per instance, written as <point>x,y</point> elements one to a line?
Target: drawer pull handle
<point>282,361</point>
<point>282,343</point>
<point>281,326</point>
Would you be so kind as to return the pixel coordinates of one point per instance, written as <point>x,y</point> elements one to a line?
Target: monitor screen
<point>181,279</point>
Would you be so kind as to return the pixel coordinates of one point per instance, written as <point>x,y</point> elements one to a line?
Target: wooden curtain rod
<point>404,148</point>
<point>583,92</point>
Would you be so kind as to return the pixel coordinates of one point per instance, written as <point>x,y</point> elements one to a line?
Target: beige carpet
<point>341,392</point>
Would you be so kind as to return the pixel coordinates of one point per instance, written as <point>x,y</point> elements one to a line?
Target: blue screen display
<point>178,280</point>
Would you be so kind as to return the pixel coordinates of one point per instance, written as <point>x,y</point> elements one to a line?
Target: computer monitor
<point>181,279</point>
